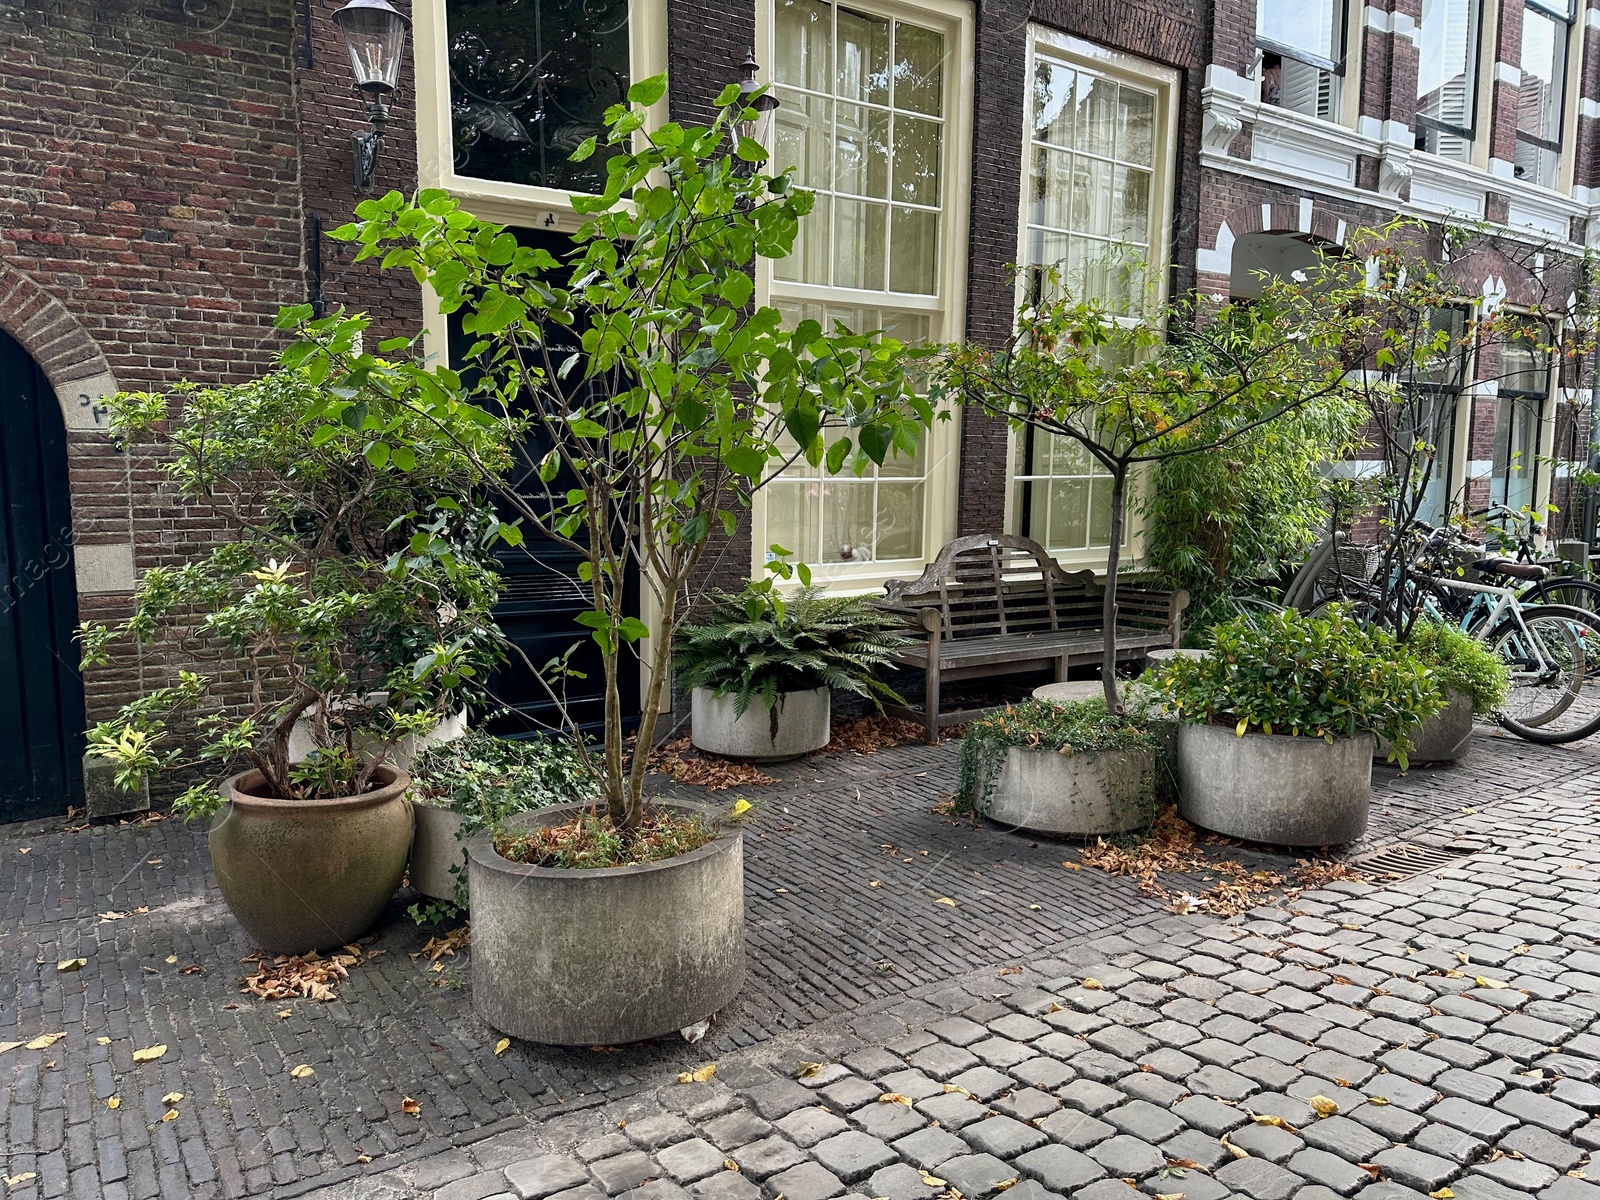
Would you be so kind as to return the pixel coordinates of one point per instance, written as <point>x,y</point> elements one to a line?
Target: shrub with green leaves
<point>1461,664</point>
<point>759,643</point>
<point>1284,673</point>
<point>1082,727</point>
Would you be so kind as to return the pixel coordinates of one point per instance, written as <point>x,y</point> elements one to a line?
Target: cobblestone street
<point>1018,1075</point>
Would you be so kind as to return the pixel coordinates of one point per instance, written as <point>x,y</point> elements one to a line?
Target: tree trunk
<point>1108,612</point>
<point>660,664</point>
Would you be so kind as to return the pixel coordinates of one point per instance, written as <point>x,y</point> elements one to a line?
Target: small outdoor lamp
<point>375,34</point>
<point>762,104</point>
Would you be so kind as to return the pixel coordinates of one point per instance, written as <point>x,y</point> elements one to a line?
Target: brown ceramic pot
<point>303,875</point>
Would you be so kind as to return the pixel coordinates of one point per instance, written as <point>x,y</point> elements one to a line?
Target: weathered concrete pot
<point>304,875</point>
<point>605,956</point>
<point>435,848</point>
<point>1443,737</point>
<point>802,724</point>
<point>1074,795</point>
<point>1285,791</point>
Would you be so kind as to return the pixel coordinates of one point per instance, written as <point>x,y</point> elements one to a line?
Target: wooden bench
<point>994,605</point>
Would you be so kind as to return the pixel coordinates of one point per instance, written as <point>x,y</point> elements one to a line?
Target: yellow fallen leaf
<point>1576,1174</point>
<point>1268,1119</point>
<point>363,1158</point>
<point>1236,1151</point>
<point>286,1012</point>
<point>894,1098</point>
<point>957,1089</point>
<point>1035,908</point>
<point>945,900</point>
<point>1521,948</point>
<point>1462,956</point>
<point>45,1040</point>
<point>1170,1195</point>
<point>1072,866</point>
<point>1323,1106</point>
<point>1486,982</point>
<point>114,1102</point>
<point>16,1180</point>
<point>302,1072</point>
<point>172,1097</point>
<point>170,1115</point>
<point>1443,1193</point>
<point>410,1107</point>
<point>875,883</point>
<point>72,964</point>
<point>1005,1185</point>
<point>1380,1101</point>
<point>102,1041</point>
<point>700,1075</point>
<point>932,1180</point>
<point>502,1045</point>
<point>4,1046</point>
<point>1455,974</point>
<point>741,806</point>
<point>808,1069</point>
<point>729,1165</point>
<point>172,958</point>
<point>1094,985</point>
<point>149,1053</point>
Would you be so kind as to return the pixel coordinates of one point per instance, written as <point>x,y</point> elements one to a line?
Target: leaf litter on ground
<point>308,976</point>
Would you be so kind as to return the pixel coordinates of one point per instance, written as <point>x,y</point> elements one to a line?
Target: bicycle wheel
<point>1568,590</point>
<point>1251,608</point>
<point>1554,658</point>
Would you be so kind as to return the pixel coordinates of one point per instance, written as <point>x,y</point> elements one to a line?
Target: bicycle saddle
<point>1511,567</point>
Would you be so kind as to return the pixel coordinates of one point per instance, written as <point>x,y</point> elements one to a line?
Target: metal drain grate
<point>1408,858</point>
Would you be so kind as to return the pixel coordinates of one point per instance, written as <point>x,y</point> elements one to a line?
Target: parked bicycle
<point>1540,580</point>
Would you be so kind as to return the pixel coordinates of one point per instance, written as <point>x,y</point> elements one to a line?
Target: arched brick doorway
<point>41,694</point>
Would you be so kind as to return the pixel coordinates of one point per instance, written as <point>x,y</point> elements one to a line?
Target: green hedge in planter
<point>486,778</point>
<point>1307,677</point>
<point>1081,727</point>
<point>1459,663</point>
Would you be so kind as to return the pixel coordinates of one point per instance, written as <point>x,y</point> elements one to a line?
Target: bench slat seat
<point>993,605</point>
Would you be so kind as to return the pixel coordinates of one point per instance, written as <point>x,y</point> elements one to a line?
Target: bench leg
<point>1061,669</point>
<point>930,708</point>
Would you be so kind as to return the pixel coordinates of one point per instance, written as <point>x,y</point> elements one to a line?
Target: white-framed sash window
<point>874,116</point>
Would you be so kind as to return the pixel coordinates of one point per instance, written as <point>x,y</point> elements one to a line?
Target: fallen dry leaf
<point>1170,1195</point>
<point>17,1180</point>
<point>286,1012</point>
<point>149,1053</point>
<point>172,1097</point>
<point>192,969</point>
<point>932,1180</point>
<point>894,1098</point>
<point>302,1072</point>
<point>699,1074</point>
<point>1094,985</point>
<point>102,1041</point>
<point>1380,1101</point>
<point>946,901</point>
<point>808,1069</point>
<point>1236,1151</point>
<point>410,1106</point>
<point>299,976</point>
<point>1268,1119</point>
<point>957,1089</point>
<point>1005,1185</point>
<point>1485,982</point>
<point>363,1158</point>
<point>1443,1193</point>
<point>729,1165</point>
<point>456,939</point>
<point>114,1102</point>
<point>172,958</point>
<point>1323,1106</point>
<point>680,761</point>
<point>45,1040</point>
<point>1341,1083</point>
<point>170,1115</point>
<point>72,964</point>
<point>502,1046</point>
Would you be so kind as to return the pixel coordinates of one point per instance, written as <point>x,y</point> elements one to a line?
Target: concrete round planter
<point>798,725</point>
<point>436,848</point>
<point>1443,737</point>
<point>1090,794</point>
<point>606,956</point>
<point>1284,791</point>
<point>302,739</point>
<point>303,875</point>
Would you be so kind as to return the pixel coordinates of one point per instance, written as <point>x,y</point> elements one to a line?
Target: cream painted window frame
<point>948,308</point>
<point>1073,51</point>
<point>1350,83</point>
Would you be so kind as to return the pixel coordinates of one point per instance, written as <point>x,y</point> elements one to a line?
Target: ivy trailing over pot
<point>1081,727</point>
<point>351,595</point>
<point>1284,673</point>
<point>1458,663</point>
<point>758,644</point>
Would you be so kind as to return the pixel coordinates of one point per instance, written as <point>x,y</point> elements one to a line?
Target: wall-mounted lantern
<point>375,34</point>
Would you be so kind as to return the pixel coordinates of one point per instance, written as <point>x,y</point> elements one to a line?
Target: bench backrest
<point>1000,584</point>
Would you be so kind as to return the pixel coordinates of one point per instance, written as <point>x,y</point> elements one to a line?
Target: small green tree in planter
<point>762,667</point>
<point>1472,680</point>
<point>475,783</point>
<point>351,599</point>
<point>1279,718</point>
<point>683,399</point>
<point>1070,770</point>
<point>1133,390</point>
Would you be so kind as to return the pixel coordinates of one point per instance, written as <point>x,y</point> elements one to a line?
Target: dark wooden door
<point>541,596</point>
<point>41,696</point>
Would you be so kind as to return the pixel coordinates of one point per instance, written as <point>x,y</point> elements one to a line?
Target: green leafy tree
<point>683,397</point>
<point>1183,380</point>
<point>352,595</point>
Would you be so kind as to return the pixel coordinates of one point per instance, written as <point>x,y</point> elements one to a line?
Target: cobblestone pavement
<point>894,992</point>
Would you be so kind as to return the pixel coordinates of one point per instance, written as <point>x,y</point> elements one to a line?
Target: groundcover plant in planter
<point>762,667</point>
<point>475,783</point>
<point>1279,720</point>
<point>351,596</point>
<point>1473,682</point>
<point>683,398</point>
<point>1066,769</point>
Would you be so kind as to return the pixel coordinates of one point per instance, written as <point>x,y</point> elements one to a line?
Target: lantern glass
<point>375,35</point>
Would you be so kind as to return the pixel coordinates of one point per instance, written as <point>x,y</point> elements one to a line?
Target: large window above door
<point>874,118</point>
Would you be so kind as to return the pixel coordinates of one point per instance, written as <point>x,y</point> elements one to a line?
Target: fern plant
<point>758,644</point>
